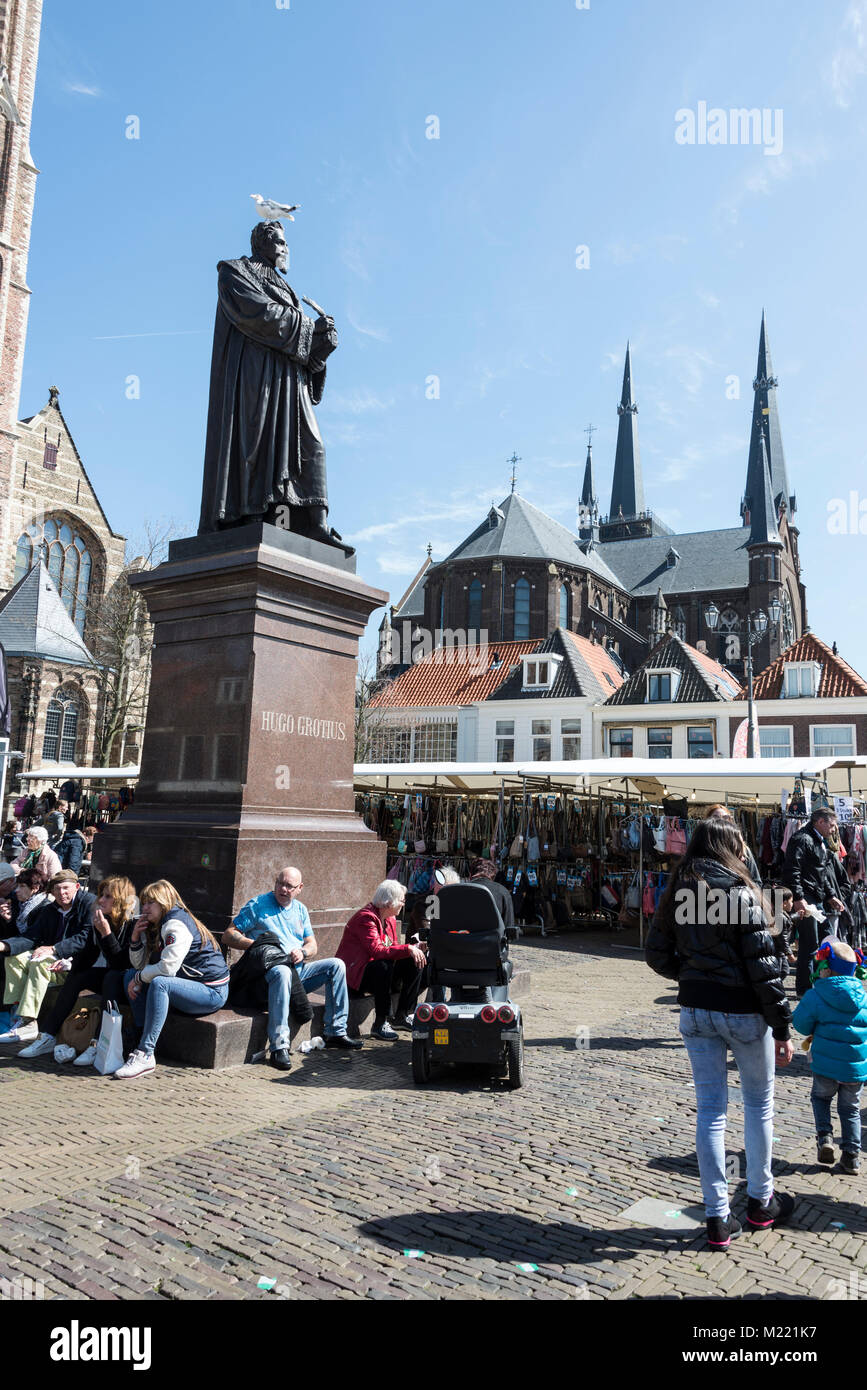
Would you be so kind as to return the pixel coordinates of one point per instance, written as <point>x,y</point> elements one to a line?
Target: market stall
<point>591,843</point>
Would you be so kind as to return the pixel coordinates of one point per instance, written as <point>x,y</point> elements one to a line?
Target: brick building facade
<point>19,48</point>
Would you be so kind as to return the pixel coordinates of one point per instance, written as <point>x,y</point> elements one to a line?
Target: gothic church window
<point>522,609</point>
<point>68,559</point>
<point>61,728</point>
<point>564,606</point>
<point>474,614</point>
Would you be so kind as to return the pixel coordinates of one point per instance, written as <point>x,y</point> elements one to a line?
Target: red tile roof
<point>715,670</point>
<point>607,672</point>
<point>454,676</point>
<point>838,678</point>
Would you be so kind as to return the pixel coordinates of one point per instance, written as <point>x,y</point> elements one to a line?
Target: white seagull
<point>269,211</point>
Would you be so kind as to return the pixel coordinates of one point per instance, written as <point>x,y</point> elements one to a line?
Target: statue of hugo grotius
<point>264,456</point>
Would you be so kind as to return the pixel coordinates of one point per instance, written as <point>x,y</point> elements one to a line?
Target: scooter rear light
<point>440,1013</point>
<point>506,1014</point>
<point>423,1013</point>
<point>488,1015</point>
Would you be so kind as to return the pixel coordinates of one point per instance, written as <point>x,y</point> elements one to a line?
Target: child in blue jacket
<point>835,1012</point>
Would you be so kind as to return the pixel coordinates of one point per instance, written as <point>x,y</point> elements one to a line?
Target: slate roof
<point>412,603</point>
<point>838,679</point>
<point>528,532</point>
<point>453,676</point>
<point>34,621</point>
<point>701,679</point>
<point>587,670</point>
<point>709,561</point>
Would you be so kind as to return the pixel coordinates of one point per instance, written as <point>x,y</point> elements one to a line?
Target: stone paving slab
<point>196,1184</point>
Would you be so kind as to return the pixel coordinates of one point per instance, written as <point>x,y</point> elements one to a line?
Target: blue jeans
<point>151,1007</point>
<point>707,1038</point>
<point>330,972</point>
<point>848,1095</point>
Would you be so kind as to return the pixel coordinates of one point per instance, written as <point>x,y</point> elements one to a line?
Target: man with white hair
<point>281,914</point>
<point>378,963</point>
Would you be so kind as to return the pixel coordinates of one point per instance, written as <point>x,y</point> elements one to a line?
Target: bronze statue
<point>264,456</point>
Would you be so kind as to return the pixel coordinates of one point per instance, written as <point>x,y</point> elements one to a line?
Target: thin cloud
<point>81,89</point>
<point>358,402</point>
<point>849,59</point>
<point>367,330</point>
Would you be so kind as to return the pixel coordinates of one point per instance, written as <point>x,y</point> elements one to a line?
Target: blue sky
<point>456,256</point>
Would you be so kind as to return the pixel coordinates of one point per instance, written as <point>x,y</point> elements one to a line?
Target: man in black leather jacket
<point>810,872</point>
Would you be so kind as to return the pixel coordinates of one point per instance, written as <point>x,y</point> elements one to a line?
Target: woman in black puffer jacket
<point>713,933</point>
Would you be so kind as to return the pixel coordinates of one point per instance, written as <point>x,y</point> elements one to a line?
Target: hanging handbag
<point>633,894</point>
<point>532,841</point>
<point>648,899</point>
<point>109,1049</point>
<point>660,836</point>
<point>419,842</point>
<point>404,832</point>
<point>675,837</point>
<point>441,843</point>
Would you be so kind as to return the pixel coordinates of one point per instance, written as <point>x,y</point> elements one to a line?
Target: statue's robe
<point>263,445</point>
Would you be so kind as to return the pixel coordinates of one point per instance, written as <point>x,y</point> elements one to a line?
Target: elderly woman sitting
<point>378,964</point>
<point>38,855</point>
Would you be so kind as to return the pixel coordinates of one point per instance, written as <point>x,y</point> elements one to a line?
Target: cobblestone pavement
<point>196,1184</point>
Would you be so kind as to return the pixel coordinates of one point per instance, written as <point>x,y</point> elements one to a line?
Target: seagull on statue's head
<point>270,211</point>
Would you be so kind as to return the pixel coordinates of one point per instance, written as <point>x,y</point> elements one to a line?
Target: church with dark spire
<point>625,578</point>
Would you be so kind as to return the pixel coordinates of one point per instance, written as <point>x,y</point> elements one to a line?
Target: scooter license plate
<point>441,1037</point>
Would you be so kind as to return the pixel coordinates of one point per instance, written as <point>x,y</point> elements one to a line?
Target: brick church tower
<point>19,47</point>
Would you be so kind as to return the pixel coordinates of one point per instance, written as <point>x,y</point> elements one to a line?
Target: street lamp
<point>757,626</point>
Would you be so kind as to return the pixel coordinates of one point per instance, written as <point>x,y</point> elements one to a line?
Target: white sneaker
<point>137,1064</point>
<point>44,1043</point>
<point>87,1057</point>
<point>21,1032</point>
<point>64,1053</point>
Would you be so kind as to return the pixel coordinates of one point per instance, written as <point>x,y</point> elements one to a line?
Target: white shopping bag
<point>109,1048</point>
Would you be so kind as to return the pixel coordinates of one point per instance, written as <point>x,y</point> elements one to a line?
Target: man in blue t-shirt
<point>285,917</point>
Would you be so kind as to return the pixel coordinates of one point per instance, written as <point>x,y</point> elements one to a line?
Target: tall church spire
<point>765,437</point>
<point>627,491</point>
<point>763,515</point>
<point>588,507</point>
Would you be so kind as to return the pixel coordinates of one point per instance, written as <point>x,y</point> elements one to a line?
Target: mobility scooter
<point>469,1016</point>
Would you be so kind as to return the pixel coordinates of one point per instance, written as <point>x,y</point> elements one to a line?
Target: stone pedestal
<point>247,761</point>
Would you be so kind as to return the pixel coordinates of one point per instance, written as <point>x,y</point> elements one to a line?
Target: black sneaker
<point>825,1151</point>
<point>850,1163</point>
<point>764,1216</point>
<point>343,1040</point>
<point>721,1231</point>
<point>281,1059</point>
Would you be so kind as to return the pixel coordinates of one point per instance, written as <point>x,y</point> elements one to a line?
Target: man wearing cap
<point>57,933</point>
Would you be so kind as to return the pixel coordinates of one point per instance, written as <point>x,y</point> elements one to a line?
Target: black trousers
<point>108,982</point>
<point>809,940</point>
<point>383,978</point>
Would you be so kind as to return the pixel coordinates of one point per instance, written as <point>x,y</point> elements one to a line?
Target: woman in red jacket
<point>376,962</point>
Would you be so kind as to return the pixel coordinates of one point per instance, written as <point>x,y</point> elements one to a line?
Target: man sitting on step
<point>281,913</point>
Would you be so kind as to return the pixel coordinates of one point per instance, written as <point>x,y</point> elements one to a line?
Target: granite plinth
<point>261,533</point>
<point>230,1037</point>
<point>247,761</point>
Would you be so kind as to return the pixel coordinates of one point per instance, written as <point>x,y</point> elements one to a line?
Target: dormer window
<point>801,680</point>
<point>662,686</point>
<point>540,671</point>
<point>672,558</point>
